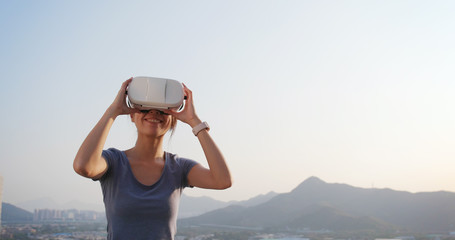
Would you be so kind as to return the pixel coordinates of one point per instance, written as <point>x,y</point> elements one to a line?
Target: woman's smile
<point>153,120</point>
<point>154,117</point>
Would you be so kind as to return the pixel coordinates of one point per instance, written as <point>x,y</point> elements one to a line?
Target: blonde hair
<point>173,125</point>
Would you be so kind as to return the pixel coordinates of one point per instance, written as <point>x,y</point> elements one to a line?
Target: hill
<point>195,206</point>
<point>11,213</point>
<point>316,204</point>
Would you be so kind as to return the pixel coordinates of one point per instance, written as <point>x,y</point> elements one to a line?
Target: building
<point>56,215</point>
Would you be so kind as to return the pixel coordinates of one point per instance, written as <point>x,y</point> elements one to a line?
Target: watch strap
<point>201,126</point>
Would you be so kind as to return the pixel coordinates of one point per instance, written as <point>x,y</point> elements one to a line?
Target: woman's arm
<point>89,161</point>
<point>218,175</point>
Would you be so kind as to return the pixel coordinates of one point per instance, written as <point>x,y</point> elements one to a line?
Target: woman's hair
<point>173,125</point>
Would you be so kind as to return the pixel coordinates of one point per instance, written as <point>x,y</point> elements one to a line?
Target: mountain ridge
<point>189,206</point>
<point>319,205</point>
<point>194,206</point>
<point>11,213</point>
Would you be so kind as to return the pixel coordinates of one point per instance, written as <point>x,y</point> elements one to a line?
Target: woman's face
<point>152,123</point>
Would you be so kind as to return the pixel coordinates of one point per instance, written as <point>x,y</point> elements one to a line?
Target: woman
<point>142,186</point>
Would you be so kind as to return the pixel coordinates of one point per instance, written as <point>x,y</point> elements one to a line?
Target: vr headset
<point>146,93</point>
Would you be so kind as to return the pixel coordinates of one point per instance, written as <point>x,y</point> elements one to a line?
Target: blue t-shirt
<point>138,211</point>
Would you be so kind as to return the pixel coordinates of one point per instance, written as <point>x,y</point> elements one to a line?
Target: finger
<point>128,81</point>
<point>123,88</point>
<point>187,92</point>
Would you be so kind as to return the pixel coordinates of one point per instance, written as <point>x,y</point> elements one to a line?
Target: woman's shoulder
<point>113,154</point>
<point>172,157</point>
<point>175,159</point>
<point>113,151</point>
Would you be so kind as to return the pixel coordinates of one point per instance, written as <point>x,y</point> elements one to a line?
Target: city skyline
<point>352,92</point>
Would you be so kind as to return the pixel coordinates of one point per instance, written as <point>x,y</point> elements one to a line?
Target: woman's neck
<point>149,148</point>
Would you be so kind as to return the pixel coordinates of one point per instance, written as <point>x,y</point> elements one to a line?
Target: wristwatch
<point>201,126</point>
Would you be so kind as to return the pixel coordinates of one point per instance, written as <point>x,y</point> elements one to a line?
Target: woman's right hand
<point>119,106</point>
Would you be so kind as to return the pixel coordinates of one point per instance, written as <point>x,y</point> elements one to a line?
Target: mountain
<point>317,205</point>
<point>194,206</point>
<point>40,203</point>
<point>49,203</point>
<point>262,198</point>
<point>11,213</point>
<point>189,206</point>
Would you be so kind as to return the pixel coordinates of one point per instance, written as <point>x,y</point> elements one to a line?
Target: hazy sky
<point>356,92</point>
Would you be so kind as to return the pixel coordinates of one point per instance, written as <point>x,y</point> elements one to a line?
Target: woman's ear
<point>132,117</point>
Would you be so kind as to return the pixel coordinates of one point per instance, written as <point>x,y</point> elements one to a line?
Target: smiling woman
<point>152,119</point>
<point>142,185</point>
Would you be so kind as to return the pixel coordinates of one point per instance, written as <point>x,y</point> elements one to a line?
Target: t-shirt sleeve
<point>186,165</point>
<point>110,155</point>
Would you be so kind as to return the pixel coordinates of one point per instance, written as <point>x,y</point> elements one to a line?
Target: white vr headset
<point>146,93</point>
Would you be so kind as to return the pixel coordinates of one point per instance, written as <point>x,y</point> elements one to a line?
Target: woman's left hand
<point>188,114</point>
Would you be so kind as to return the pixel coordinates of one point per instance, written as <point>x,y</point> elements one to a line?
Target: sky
<point>355,92</point>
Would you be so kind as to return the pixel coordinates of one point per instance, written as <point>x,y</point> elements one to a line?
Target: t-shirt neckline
<point>166,160</point>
